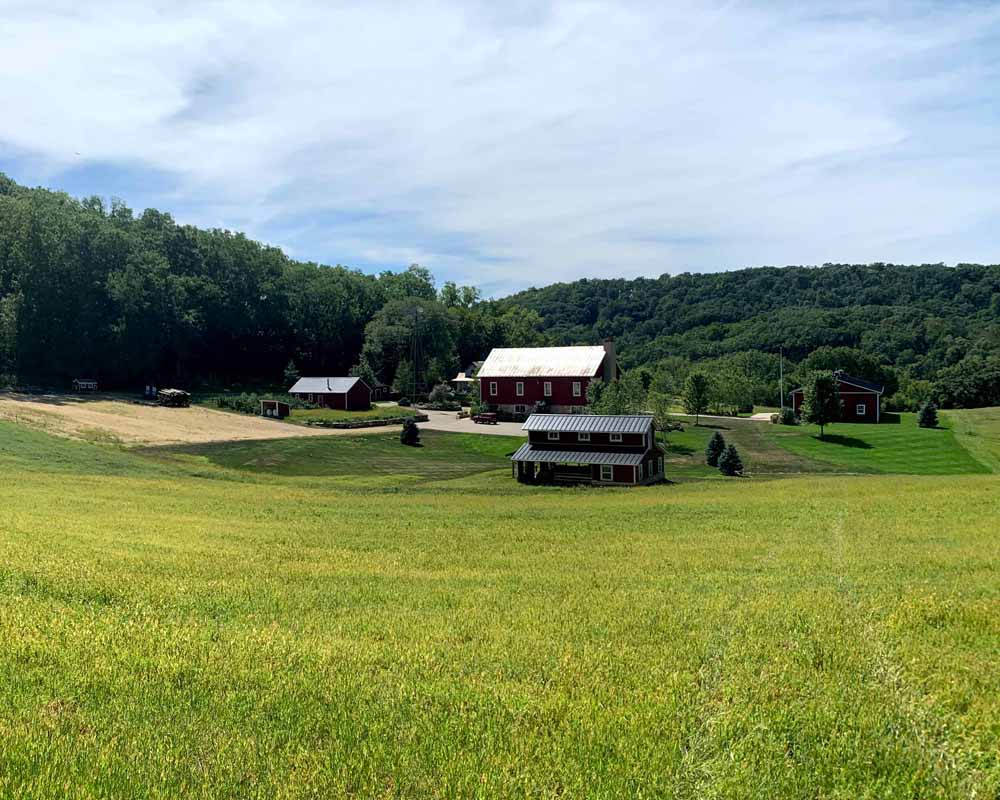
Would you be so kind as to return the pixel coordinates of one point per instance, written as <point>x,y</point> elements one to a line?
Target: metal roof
<point>589,423</point>
<point>542,362</point>
<point>528,452</point>
<point>323,385</point>
<point>861,383</point>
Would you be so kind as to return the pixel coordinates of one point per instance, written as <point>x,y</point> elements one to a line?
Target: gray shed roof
<point>542,362</point>
<point>323,385</point>
<point>589,423</point>
<point>528,452</point>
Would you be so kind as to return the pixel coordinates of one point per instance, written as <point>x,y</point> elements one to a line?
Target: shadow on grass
<point>679,449</point>
<point>889,418</point>
<point>845,441</point>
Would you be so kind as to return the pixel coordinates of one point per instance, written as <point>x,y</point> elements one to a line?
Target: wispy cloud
<point>518,143</point>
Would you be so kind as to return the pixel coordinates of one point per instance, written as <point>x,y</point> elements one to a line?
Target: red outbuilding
<point>513,379</point>
<point>862,400</point>
<point>348,394</point>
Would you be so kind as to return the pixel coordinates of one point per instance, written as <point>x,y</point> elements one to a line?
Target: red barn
<point>862,400</point>
<point>513,379</point>
<point>348,394</point>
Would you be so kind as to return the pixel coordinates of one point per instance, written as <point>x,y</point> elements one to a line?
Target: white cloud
<point>521,143</point>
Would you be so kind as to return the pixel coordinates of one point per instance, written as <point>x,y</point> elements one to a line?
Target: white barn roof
<point>542,362</point>
<point>323,385</point>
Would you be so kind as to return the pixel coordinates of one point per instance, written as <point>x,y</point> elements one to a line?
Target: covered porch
<point>534,465</point>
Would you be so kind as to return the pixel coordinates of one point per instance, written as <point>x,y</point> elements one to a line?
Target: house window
<point>519,388</point>
<point>553,436</point>
<point>860,409</point>
<point>616,437</point>
<point>547,388</point>
<point>493,387</point>
<point>607,472</point>
<point>577,390</point>
<point>642,470</point>
<point>583,437</point>
<point>659,464</point>
<point>519,409</point>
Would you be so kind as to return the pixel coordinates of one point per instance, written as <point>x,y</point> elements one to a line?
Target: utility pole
<point>781,375</point>
<point>415,351</point>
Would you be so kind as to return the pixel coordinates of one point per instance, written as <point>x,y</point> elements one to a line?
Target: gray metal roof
<point>589,423</point>
<point>323,385</point>
<point>542,362</point>
<point>529,452</point>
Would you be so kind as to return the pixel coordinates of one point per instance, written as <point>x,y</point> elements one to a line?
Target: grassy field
<point>348,617</point>
<point>897,446</point>
<point>304,415</point>
<point>978,431</point>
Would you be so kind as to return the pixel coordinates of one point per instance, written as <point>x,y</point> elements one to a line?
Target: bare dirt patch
<point>121,421</point>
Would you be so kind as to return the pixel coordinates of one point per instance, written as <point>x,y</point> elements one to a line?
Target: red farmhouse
<point>589,448</point>
<point>862,400</point>
<point>513,379</point>
<point>349,394</point>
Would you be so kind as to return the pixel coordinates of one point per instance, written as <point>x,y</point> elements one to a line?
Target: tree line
<point>92,289</point>
<point>89,288</point>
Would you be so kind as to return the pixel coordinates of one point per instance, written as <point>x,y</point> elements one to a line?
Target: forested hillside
<point>906,323</point>
<point>93,289</point>
<point>87,289</point>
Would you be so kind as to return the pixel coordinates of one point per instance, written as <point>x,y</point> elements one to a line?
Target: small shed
<point>274,408</point>
<point>346,394</point>
<point>84,384</point>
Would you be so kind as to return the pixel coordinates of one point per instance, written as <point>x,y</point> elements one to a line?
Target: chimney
<point>610,361</point>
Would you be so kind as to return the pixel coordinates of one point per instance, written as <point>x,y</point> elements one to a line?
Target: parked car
<point>485,418</point>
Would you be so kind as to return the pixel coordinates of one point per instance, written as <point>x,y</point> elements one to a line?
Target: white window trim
<point>861,409</point>
<point>583,437</point>
<point>577,389</point>
<point>553,436</point>
<point>611,472</point>
<point>547,388</point>
<point>493,388</point>
<point>616,437</point>
<point>519,409</point>
<point>519,388</point>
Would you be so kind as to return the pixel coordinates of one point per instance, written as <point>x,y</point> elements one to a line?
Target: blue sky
<point>520,143</point>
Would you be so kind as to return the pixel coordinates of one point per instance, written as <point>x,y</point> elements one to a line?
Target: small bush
<point>928,417</point>
<point>787,417</point>
<point>440,394</point>
<point>714,450</point>
<point>410,435</point>
<point>730,463</point>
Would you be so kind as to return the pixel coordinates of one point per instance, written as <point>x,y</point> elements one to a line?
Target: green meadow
<point>347,617</point>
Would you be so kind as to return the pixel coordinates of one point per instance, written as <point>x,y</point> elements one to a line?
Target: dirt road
<point>107,419</point>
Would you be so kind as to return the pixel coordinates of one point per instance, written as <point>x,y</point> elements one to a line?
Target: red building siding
<point>851,397</point>
<point>534,390</point>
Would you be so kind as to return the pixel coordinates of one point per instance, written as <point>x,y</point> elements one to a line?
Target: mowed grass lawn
<point>219,622</point>
<point>896,446</point>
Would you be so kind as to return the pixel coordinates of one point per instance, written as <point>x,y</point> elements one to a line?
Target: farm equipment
<point>173,398</point>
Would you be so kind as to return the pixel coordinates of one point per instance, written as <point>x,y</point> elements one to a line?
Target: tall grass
<point>360,633</point>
